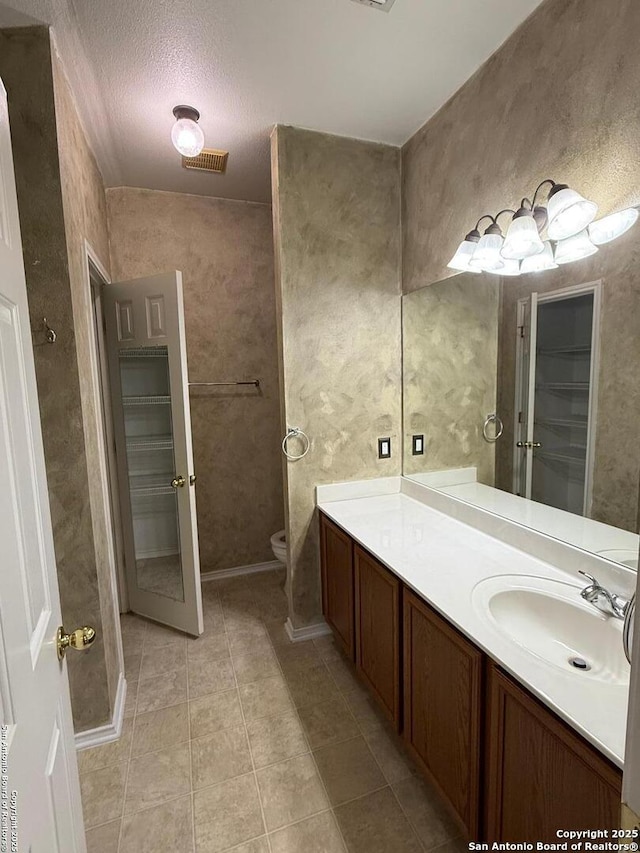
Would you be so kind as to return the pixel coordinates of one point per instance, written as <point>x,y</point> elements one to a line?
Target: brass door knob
<point>80,639</point>
<point>178,482</point>
<point>530,445</point>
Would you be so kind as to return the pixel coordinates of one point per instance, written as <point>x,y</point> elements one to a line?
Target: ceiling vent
<point>381,5</point>
<point>209,160</point>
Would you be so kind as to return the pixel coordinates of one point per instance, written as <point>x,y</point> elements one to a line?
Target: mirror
<point>526,391</point>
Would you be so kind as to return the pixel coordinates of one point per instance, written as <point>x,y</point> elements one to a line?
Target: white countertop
<point>443,559</point>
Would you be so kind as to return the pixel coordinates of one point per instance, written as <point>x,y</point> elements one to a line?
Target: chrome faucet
<point>607,602</point>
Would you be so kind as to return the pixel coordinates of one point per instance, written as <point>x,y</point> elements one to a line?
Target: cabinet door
<point>378,632</point>
<point>443,706</point>
<point>337,583</point>
<point>146,346</point>
<point>541,775</point>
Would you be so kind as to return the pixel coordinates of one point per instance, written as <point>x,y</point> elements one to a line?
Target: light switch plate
<point>384,448</point>
<point>418,445</point>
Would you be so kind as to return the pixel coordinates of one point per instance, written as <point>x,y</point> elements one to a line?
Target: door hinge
<point>520,417</point>
<point>521,331</point>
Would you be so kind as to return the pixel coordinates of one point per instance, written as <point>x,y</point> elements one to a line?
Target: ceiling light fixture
<point>186,133</point>
<point>571,234</point>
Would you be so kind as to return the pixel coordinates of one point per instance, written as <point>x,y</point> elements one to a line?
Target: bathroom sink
<point>550,620</point>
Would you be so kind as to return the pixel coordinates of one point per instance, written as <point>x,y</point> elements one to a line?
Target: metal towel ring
<point>499,429</point>
<point>294,432</point>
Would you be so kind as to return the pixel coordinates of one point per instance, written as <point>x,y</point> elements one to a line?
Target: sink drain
<point>580,663</point>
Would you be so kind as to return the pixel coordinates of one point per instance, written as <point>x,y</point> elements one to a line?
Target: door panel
<point>378,632</point>
<point>37,730</point>
<point>147,361</point>
<point>338,583</point>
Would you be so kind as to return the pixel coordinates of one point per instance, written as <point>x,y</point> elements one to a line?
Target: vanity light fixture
<point>615,225</point>
<point>186,133</point>
<point>571,234</point>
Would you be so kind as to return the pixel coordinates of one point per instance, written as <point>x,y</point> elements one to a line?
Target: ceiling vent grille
<point>381,5</point>
<point>209,160</point>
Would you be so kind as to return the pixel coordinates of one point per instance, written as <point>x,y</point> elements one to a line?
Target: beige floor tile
<point>256,845</point>
<point>348,770</point>
<point>158,661</point>
<point>328,722</point>
<point>427,813</point>
<point>456,845</point>
<point>157,777</point>
<point>317,834</point>
<point>240,594</point>
<point>376,824</point>
<point>227,815</point>
<point>131,699</point>
<point>102,794</point>
<point>343,674</point>
<point>215,712</point>
<point>158,729</point>
<point>213,620</point>
<point>162,691</point>
<point>220,756</point>
<point>328,648</point>
<point>132,663</point>
<point>273,606</point>
<point>104,839</point>
<point>365,710</point>
<point>208,647</point>
<point>310,685</point>
<point>297,655</point>
<point>265,698</point>
<point>274,739</point>
<point>277,632</point>
<point>110,753</point>
<point>164,829</point>
<point>254,666</point>
<point>390,754</point>
<point>133,628</point>
<point>161,635</point>
<point>209,677</point>
<point>290,791</point>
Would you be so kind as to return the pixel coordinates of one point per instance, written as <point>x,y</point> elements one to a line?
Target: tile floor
<point>242,741</point>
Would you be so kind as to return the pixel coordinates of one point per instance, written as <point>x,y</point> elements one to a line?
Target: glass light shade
<point>609,227</point>
<point>542,261</point>
<point>187,137</point>
<point>575,248</point>
<point>487,254</point>
<point>569,213</point>
<point>511,268</point>
<point>522,239</point>
<point>464,253</point>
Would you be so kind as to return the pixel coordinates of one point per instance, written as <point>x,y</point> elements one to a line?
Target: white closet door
<point>531,395</point>
<point>148,367</point>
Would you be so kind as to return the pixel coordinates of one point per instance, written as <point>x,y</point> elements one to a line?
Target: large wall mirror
<point>522,396</point>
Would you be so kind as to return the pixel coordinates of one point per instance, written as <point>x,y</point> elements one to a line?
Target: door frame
<point>561,294</point>
<point>94,268</point>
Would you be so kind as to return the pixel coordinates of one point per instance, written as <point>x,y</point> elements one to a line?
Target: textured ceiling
<point>330,65</point>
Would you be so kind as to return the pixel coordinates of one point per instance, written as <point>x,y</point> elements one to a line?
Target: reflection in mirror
<point>527,393</point>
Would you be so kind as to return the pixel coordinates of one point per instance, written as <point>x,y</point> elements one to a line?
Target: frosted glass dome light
<point>487,254</point>
<point>569,213</point>
<point>522,238</point>
<point>575,248</point>
<point>186,133</point>
<point>542,261</point>
<point>610,227</point>
<point>464,253</point>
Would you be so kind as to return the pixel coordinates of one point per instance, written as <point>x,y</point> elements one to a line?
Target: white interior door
<point>148,367</point>
<point>37,749</point>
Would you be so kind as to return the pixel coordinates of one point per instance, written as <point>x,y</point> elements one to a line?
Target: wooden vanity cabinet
<point>541,775</point>
<point>378,596</point>
<point>336,550</point>
<point>443,707</point>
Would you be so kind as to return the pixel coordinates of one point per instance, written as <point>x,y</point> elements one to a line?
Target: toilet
<point>279,546</point>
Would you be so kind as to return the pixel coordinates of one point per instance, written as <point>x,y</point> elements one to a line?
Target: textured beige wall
<point>337,236</point>
<point>617,450</point>
<point>52,277</point>
<point>85,218</point>
<point>559,99</point>
<point>225,252</point>
<point>450,351</point>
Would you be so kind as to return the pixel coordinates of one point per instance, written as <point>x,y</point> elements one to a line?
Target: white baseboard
<point>309,632</point>
<point>241,570</point>
<point>111,731</point>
